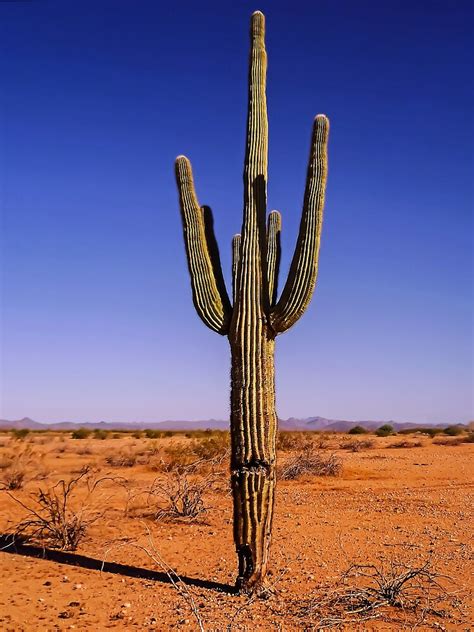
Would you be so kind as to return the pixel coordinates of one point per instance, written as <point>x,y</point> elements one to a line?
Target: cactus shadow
<point>11,544</point>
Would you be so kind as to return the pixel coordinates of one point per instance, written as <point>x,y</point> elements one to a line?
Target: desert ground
<point>368,508</point>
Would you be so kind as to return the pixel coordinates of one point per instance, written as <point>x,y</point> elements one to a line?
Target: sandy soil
<point>406,503</point>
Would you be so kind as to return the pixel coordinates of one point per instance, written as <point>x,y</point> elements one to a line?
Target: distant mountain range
<point>292,423</point>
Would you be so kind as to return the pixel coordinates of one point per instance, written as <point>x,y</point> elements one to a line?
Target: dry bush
<point>191,456</point>
<point>182,495</point>
<point>123,458</point>
<point>321,442</point>
<point>369,591</point>
<point>15,466</point>
<point>406,444</point>
<point>449,441</point>
<point>216,445</point>
<point>288,441</point>
<point>177,456</point>
<point>85,450</point>
<point>356,445</point>
<point>61,447</point>
<point>56,518</point>
<point>310,462</point>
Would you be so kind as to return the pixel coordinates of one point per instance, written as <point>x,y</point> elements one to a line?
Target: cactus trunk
<point>255,316</point>
<point>253,432</point>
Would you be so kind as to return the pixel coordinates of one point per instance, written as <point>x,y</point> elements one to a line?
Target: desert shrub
<point>61,447</point>
<point>20,433</point>
<point>431,432</point>
<point>406,444</point>
<point>356,430</point>
<point>81,433</point>
<point>388,591</point>
<point>177,456</point>
<point>310,462</point>
<point>469,438</point>
<point>451,441</point>
<point>453,431</point>
<point>124,458</point>
<point>14,466</point>
<point>153,434</point>
<point>85,450</point>
<point>384,431</point>
<point>287,440</point>
<point>137,434</point>
<point>211,447</point>
<point>51,518</point>
<point>356,445</point>
<point>183,497</point>
<point>100,434</point>
<point>13,478</point>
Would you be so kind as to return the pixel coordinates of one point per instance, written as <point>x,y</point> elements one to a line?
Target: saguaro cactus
<point>255,316</point>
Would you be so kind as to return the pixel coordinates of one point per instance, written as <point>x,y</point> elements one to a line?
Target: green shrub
<point>152,434</point>
<point>431,432</point>
<point>453,431</point>
<point>81,433</point>
<point>384,431</point>
<point>20,433</point>
<point>357,430</point>
<point>100,434</point>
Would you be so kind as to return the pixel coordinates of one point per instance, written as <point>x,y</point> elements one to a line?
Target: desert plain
<point>368,511</point>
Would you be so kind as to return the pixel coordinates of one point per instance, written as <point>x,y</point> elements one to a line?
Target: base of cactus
<point>253,491</point>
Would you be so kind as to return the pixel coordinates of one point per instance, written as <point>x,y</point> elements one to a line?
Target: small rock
<point>127,604</point>
<point>48,583</point>
<point>74,604</point>
<point>77,586</point>
<point>64,615</point>
<point>65,579</point>
<point>118,615</point>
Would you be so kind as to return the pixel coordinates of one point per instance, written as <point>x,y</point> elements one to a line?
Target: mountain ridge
<point>292,423</point>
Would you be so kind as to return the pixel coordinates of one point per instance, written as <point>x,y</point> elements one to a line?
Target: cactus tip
<point>258,24</point>
<point>321,118</point>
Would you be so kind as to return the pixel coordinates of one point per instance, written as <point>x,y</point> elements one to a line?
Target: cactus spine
<point>255,316</point>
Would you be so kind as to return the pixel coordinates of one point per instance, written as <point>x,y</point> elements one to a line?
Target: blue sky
<point>98,98</point>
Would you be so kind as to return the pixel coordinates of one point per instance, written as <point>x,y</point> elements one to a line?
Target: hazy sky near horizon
<point>99,97</point>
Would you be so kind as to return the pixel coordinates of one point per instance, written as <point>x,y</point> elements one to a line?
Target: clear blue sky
<point>97,100</point>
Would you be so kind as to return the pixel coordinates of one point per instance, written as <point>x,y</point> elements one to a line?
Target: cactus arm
<point>235,263</point>
<point>209,294</point>
<point>273,254</point>
<point>301,280</point>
